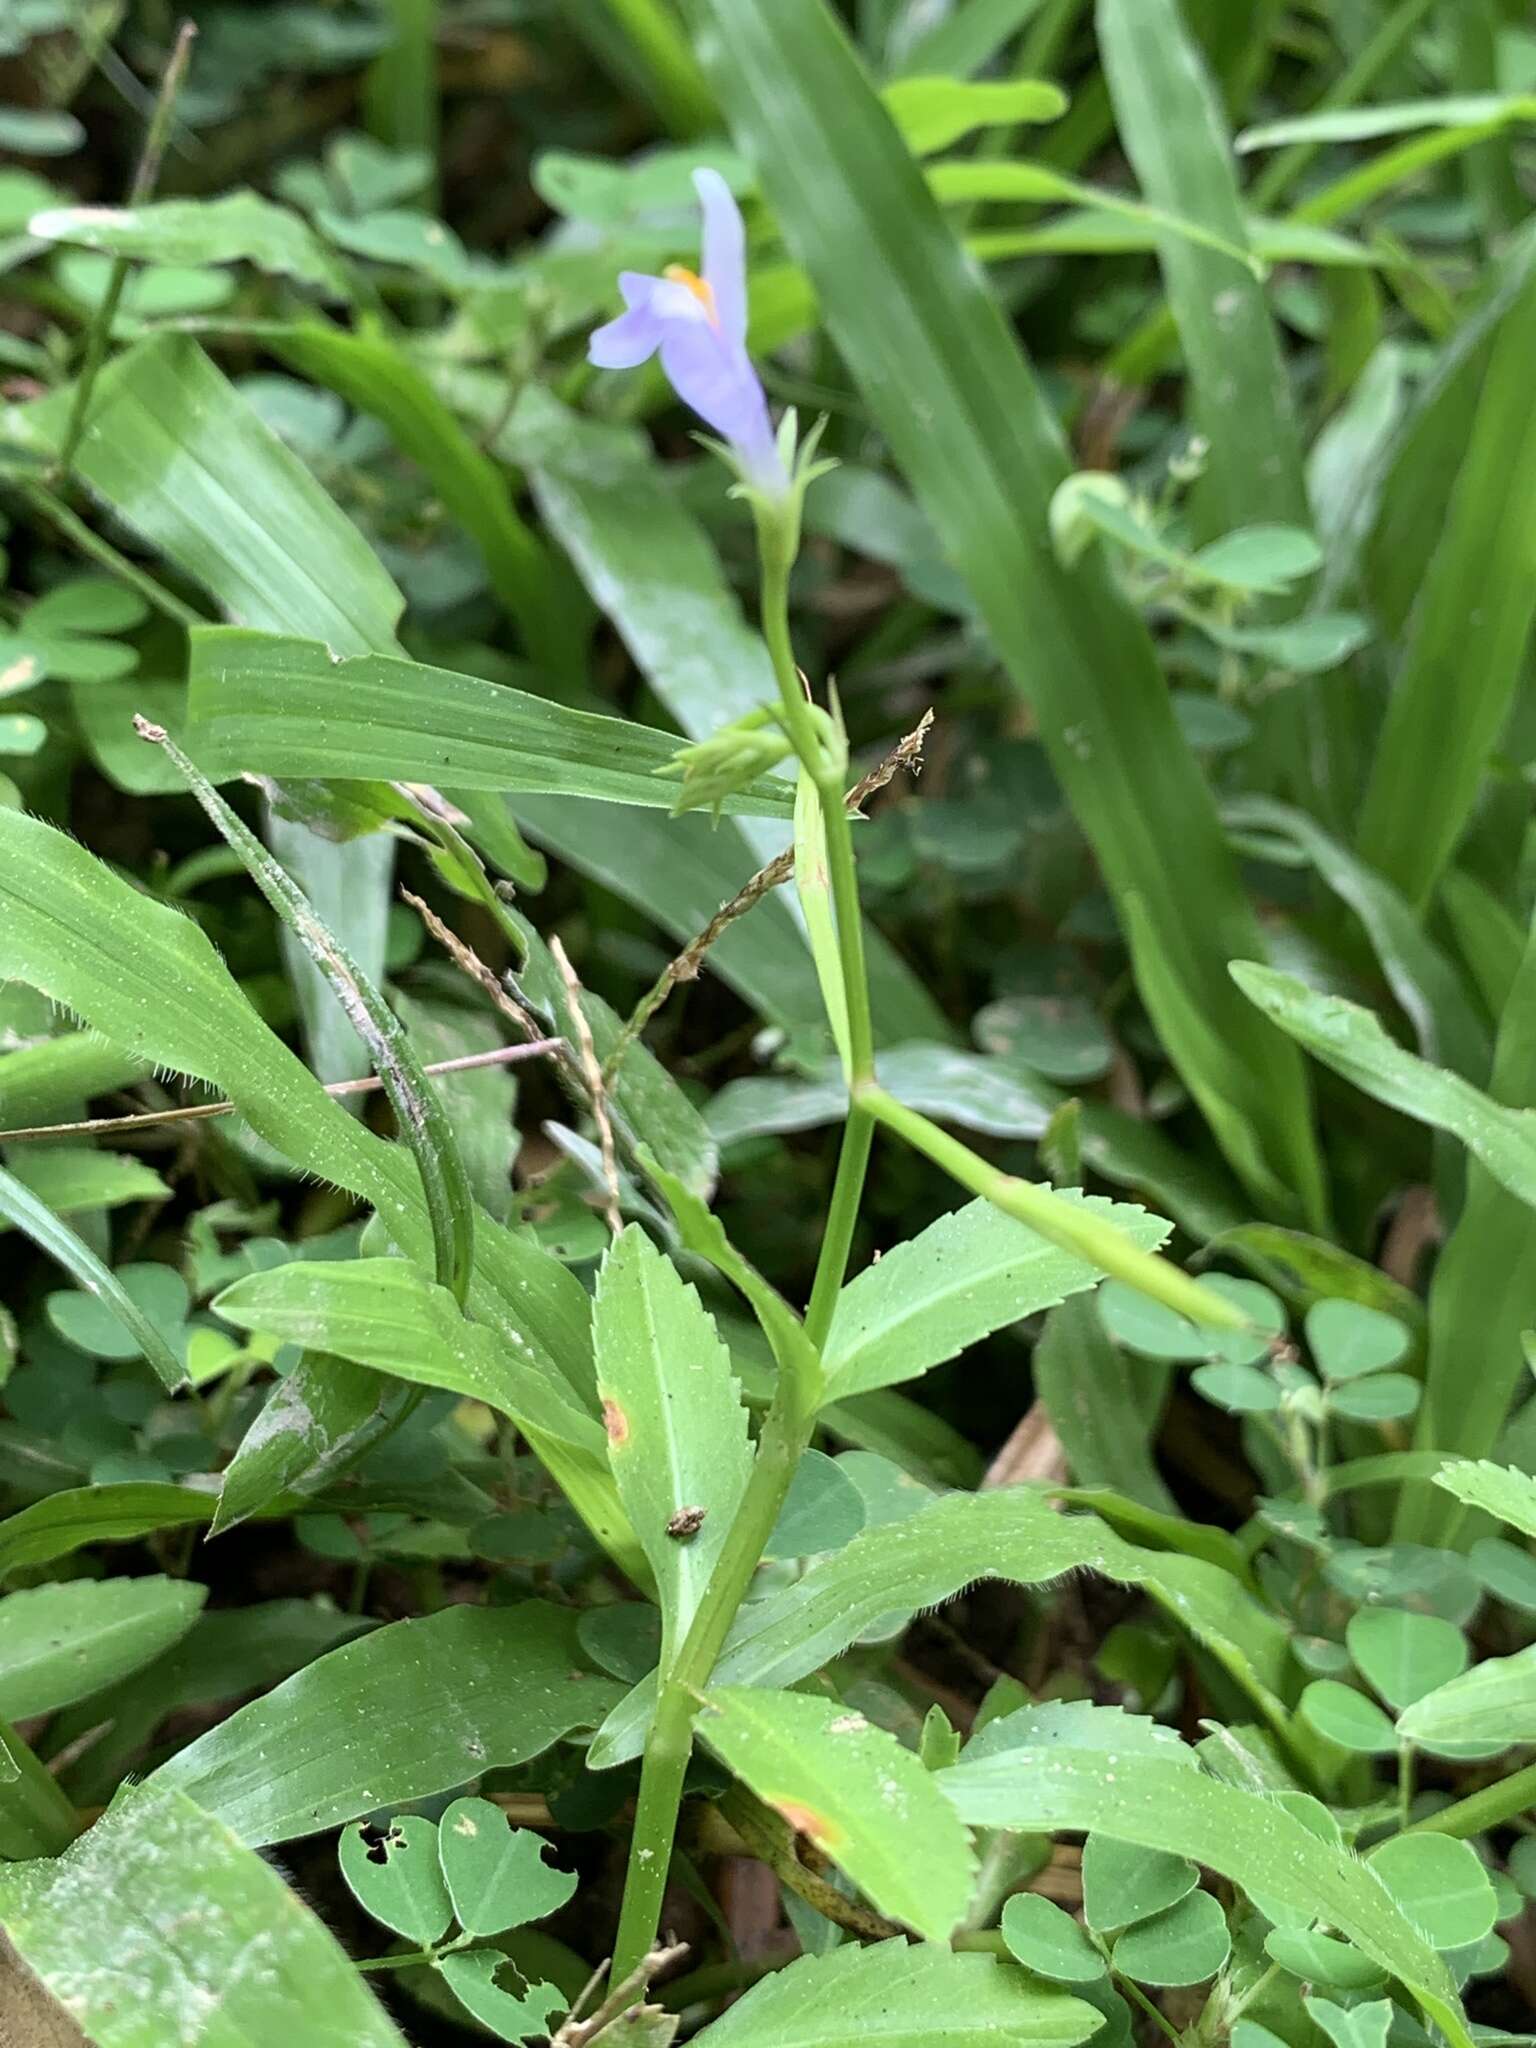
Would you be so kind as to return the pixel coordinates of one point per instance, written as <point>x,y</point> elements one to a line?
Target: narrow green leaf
<point>413,1709</point>
<point>69,1520</point>
<point>59,1644</point>
<point>932,112</point>
<point>965,418</point>
<point>854,1792</point>
<point>1351,1041</point>
<point>1394,117</point>
<point>1244,1836</point>
<point>896,1996</point>
<point>23,1209</point>
<point>676,1426</point>
<point>1468,633</point>
<point>1103,1404</point>
<point>1493,1702</point>
<point>971,1273</point>
<point>423,1122</point>
<point>927,1557</point>
<point>387,1316</point>
<point>263,704</point>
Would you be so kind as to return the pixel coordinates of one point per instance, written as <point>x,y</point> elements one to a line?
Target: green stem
<point>1138,1997</point>
<point>842,1215</point>
<point>1489,1808</point>
<point>36,1817</point>
<point>144,180</point>
<point>1072,1225</point>
<point>785,1433</point>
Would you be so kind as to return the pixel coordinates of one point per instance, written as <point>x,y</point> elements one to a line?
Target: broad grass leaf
<point>856,1793</point>
<point>1103,1404</point>
<point>675,1422</point>
<point>972,1272</point>
<point>67,1178</point>
<point>267,704</point>
<point>1242,1835</point>
<point>159,1925</point>
<point>896,1996</point>
<point>316,1420</point>
<point>61,1643</point>
<point>412,1709</point>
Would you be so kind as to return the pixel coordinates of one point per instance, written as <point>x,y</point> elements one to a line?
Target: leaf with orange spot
<point>856,1793</point>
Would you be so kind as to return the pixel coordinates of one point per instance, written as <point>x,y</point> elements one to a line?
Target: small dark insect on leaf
<point>686,1524</point>
<point>380,1841</point>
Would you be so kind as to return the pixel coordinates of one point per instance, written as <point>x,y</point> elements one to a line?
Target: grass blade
<point>948,386</point>
<point>1468,635</point>
<point>423,1122</point>
<point>23,1210</point>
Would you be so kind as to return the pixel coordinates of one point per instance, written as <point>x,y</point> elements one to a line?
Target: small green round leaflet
<point>1402,1655</point>
<point>1348,1340</point>
<point>512,2012</point>
<point>1506,1571</point>
<point>1348,1718</point>
<point>1123,1883</point>
<point>1322,1959</point>
<point>1386,1398</point>
<point>1352,2026</point>
<point>822,1511</point>
<point>1049,1941</point>
<point>1440,1884</point>
<point>1240,1389</point>
<point>1522,1865</point>
<point>496,1874</point>
<point>391,1869</point>
<point>1184,1945</point>
<point>1148,1327</point>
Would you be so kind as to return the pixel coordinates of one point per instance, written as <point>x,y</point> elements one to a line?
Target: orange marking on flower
<point>805,1820</point>
<point>702,290</point>
<point>616,1422</point>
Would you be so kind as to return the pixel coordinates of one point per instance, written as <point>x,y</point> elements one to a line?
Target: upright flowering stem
<point>791,1419</point>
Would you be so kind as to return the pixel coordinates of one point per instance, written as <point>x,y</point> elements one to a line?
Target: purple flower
<point>699,324</point>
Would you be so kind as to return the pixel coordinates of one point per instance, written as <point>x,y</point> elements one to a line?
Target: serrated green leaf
<point>61,1643</point>
<point>1185,1944</point>
<point>1123,1883</point>
<point>1498,1489</point>
<point>391,1869</point>
<point>1404,1655</point>
<point>413,1709</point>
<point>1049,1941</point>
<point>854,1792</point>
<point>160,1925</point>
<point>1440,1884</point>
<point>893,1995</point>
<point>675,1423</point>
<point>496,1874</point>
<point>969,1274</point>
<point>926,1558</point>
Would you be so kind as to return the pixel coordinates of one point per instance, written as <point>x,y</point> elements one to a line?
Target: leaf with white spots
<point>159,1929</point>
<point>415,1708</point>
<point>677,1430</point>
<point>850,1788</point>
